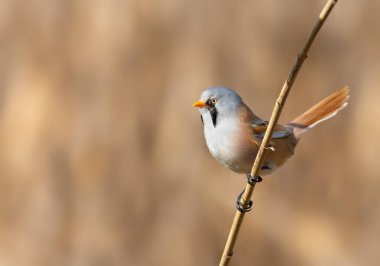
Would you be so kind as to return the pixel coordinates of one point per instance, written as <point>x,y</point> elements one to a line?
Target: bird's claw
<point>243,207</point>
<point>253,180</point>
<point>246,207</point>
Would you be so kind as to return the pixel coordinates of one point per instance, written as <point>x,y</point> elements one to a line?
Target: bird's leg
<point>253,180</point>
<point>243,207</point>
<point>248,206</point>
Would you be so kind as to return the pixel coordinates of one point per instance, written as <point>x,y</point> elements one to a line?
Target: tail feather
<point>322,111</point>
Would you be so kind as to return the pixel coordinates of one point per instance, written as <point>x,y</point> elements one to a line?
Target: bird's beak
<point>199,104</point>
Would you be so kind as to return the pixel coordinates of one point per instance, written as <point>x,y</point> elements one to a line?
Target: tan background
<point>102,158</point>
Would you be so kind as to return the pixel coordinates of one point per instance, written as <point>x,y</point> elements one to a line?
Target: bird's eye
<point>214,100</point>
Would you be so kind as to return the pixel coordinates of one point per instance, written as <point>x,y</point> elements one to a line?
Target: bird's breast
<point>227,144</point>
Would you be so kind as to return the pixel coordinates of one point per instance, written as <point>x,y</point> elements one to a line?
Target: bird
<point>233,132</point>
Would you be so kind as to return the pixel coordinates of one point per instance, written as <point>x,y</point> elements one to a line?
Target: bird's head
<point>220,102</point>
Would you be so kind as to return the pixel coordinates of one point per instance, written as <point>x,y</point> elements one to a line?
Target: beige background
<point>103,160</point>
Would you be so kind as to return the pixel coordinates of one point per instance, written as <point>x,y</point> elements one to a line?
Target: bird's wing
<point>259,128</point>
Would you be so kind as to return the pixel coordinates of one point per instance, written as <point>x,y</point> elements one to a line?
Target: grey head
<point>220,102</point>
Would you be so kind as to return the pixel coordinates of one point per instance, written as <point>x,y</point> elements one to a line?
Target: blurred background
<point>103,159</point>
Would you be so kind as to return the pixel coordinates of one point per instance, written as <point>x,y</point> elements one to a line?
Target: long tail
<point>322,111</point>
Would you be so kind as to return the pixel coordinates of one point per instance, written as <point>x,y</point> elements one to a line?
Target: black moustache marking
<point>202,120</point>
<point>214,114</point>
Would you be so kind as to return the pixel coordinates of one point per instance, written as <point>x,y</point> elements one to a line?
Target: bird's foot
<point>253,180</point>
<point>243,207</point>
<point>248,205</point>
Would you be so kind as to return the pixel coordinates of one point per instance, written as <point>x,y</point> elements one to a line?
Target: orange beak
<point>199,104</point>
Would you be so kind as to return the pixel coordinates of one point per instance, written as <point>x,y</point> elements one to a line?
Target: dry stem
<point>239,216</point>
